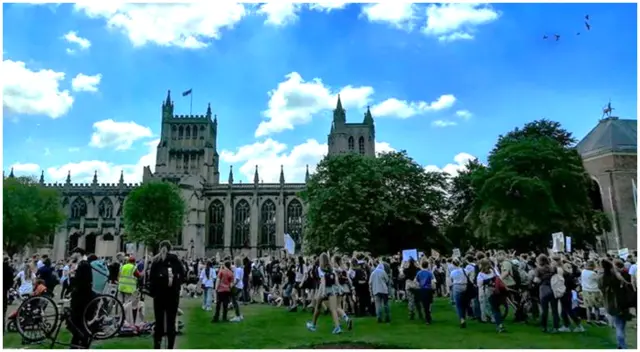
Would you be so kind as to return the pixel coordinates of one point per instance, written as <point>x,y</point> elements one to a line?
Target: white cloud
<point>108,172</point>
<point>451,22</point>
<point>118,135</point>
<point>403,109</point>
<point>74,38</point>
<point>460,161</point>
<point>186,25</point>
<point>443,123</point>
<point>270,154</point>
<point>86,83</point>
<point>28,168</point>
<point>283,13</point>
<point>399,15</point>
<point>464,114</point>
<point>295,101</point>
<point>34,92</point>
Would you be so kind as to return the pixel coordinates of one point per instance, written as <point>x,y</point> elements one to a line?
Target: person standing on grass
<point>616,292</point>
<point>207,277</point>
<point>166,276</point>
<point>327,292</point>
<point>223,291</point>
<point>237,289</point>
<point>379,283</point>
<point>424,291</point>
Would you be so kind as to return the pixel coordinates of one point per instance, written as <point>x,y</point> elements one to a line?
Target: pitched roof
<point>611,135</point>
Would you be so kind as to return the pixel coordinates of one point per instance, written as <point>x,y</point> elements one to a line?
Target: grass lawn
<point>270,327</point>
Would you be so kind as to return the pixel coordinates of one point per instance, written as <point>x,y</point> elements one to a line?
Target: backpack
<point>256,275</point>
<point>516,274</point>
<point>557,285</point>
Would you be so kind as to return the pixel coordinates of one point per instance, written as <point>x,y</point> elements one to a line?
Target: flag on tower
<point>186,92</point>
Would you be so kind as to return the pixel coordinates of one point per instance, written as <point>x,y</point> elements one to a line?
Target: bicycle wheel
<point>37,318</point>
<point>103,317</point>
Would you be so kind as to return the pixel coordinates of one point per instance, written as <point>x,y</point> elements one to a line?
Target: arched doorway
<point>595,195</point>
<point>72,242</point>
<point>90,243</point>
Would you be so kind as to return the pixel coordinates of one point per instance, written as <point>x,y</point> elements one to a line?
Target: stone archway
<point>90,243</point>
<point>595,195</point>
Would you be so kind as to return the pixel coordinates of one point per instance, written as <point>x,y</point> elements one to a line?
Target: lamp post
<point>192,248</point>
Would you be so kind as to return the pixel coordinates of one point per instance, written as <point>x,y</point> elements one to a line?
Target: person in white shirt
<point>633,269</point>
<point>236,290</point>
<point>207,280</point>
<point>64,280</point>
<point>27,277</point>
<point>458,290</point>
<point>591,293</point>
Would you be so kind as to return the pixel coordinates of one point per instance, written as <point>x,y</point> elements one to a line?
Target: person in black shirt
<point>81,294</point>
<point>166,275</point>
<point>290,285</point>
<point>114,268</point>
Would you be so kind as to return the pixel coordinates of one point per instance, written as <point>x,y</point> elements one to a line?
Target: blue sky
<point>83,86</point>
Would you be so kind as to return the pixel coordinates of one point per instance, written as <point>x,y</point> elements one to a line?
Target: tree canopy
<point>153,212</point>
<point>31,214</point>
<point>380,205</point>
<point>534,184</point>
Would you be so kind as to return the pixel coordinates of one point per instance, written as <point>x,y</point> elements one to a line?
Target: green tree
<point>153,212</point>
<point>31,214</point>
<point>538,129</point>
<point>344,203</point>
<point>380,205</point>
<point>533,186</point>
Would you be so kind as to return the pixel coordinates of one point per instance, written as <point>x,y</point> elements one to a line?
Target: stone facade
<point>609,153</point>
<point>222,218</point>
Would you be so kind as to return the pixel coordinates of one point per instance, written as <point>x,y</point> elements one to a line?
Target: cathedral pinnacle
<point>230,174</point>
<point>306,175</point>
<point>339,105</point>
<point>11,174</point>
<point>121,177</point>
<point>281,174</point>
<point>69,177</point>
<point>168,101</point>
<point>368,118</point>
<point>256,177</point>
<point>95,177</point>
<point>209,111</point>
<point>42,177</point>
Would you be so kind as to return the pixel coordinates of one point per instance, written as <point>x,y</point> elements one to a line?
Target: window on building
<point>268,225</point>
<point>351,143</point>
<point>241,225</point>
<point>361,145</point>
<point>215,239</point>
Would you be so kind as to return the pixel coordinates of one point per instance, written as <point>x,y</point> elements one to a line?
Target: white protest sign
<point>623,253</point>
<point>456,252</point>
<point>289,244</point>
<point>131,248</point>
<point>567,244</point>
<point>409,253</point>
<point>558,242</point>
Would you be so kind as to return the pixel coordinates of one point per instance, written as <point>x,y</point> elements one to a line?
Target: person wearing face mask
<point>166,276</point>
<point>81,294</point>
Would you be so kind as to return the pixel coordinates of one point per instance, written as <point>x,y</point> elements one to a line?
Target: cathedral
<point>221,218</point>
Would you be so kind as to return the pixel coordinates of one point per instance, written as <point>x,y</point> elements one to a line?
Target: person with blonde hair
<point>327,291</point>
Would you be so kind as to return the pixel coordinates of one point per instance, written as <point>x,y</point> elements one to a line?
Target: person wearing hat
<point>166,276</point>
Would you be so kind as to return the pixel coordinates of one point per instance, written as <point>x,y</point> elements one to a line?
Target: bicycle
<point>35,324</point>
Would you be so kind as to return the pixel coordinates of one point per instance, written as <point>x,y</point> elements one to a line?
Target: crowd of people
<point>577,289</point>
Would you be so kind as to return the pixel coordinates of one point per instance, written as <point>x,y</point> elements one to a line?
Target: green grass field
<point>270,327</point>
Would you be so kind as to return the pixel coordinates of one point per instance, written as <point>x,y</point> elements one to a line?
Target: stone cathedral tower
<point>187,145</point>
<point>351,137</point>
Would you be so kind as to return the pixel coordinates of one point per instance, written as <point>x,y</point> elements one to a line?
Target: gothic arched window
<point>294,221</point>
<point>174,132</point>
<point>241,225</point>
<point>187,132</point>
<point>351,143</point>
<point>180,132</point>
<point>78,208</point>
<point>105,208</point>
<point>268,225</point>
<point>216,225</point>
<point>195,132</point>
<point>361,145</point>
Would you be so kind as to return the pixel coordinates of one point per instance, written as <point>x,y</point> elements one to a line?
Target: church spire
<point>368,118</point>
<point>209,111</point>
<point>11,173</point>
<point>121,181</point>
<point>230,174</point>
<point>256,177</point>
<point>281,174</point>
<point>168,101</point>
<point>42,177</point>
<point>306,175</point>
<point>167,107</point>
<point>339,115</point>
<point>69,177</point>
<point>95,177</point>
